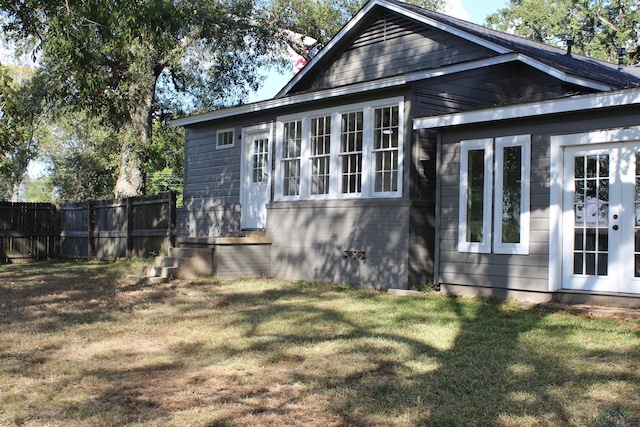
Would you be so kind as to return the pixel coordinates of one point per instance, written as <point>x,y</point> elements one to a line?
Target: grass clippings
<point>89,343</point>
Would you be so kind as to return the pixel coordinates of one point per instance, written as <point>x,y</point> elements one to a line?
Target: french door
<point>601,218</point>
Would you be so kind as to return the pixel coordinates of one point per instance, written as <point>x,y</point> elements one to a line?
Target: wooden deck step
<point>245,253</point>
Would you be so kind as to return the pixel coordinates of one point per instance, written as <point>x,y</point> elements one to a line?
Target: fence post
<point>172,219</point>
<point>129,239</point>
<point>57,230</point>
<point>90,236</point>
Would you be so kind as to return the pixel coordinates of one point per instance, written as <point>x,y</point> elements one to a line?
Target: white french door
<point>601,218</point>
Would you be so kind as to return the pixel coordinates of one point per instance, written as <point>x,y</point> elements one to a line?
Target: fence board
<point>120,228</point>
<point>28,230</point>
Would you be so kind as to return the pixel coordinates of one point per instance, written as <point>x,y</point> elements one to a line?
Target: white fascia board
<point>291,100</point>
<point>554,106</point>
<point>465,66</point>
<point>346,90</point>
<point>560,75</point>
<point>447,28</point>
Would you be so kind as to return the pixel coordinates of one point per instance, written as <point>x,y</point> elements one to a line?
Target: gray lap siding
<point>517,272</point>
<point>526,272</point>
<point>212,185</point>
<point>310,240</point>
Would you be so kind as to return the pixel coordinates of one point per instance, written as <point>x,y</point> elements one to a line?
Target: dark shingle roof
<point>575,65</point>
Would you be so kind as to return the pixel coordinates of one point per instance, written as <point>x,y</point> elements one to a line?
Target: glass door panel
<point>591,210</point>
<point>601,218</point>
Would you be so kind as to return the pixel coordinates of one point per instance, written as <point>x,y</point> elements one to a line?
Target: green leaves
<point>598,27</point>
<point>18,146</point>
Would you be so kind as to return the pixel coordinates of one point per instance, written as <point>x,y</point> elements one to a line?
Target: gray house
<point>418,148</point>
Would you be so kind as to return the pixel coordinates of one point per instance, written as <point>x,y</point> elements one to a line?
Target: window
<point>320,157</point>
<point>506,184</point>
<point>352,151</point>
<point>260,162</point>
<point>474,232</point>
<point>291,152</point>
<point>225,139</point>
<point>385,146</point>
<point>512,195</point>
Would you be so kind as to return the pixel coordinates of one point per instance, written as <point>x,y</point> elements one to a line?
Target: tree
<point>597,27</point>
<point>80,156</point>
<point>166,161</point>
<point>125,61</point>
<point>18,114</point>
<point>109,56</point>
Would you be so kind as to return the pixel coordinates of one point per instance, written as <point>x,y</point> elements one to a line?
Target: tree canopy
<point>108,58</point>
<point>19,111</point>
<point>128,64</point>
<point>597,27</point>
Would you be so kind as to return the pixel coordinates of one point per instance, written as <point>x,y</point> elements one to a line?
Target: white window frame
<point>299,158</point>
<point>485,144</point>
<point>522,247</point>
<point>225,146</point>
<point>367,146</point>
<point>310,156</point>
<point>368,166</point>
<point>375,151</point>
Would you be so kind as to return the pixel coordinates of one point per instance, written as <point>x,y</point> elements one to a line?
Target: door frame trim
<point>557,145</point>
<point>244,177</point>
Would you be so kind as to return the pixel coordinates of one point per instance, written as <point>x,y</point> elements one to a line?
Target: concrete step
<point>157,280</point>
<point>194,256</point>
<point>184,263</point>
<point>151,271</point>
<point>197,266</point>
<point>190,252</point>
<point>167,261</point>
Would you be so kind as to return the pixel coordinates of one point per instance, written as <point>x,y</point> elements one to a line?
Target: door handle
<point>615,227</point>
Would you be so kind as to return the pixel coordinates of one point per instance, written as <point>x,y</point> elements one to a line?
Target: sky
<point>470,10</point>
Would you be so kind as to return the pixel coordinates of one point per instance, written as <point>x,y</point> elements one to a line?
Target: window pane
<point>291,151</point>
<point>511,194</point>
<point>320,154</point>
<point>385,147</point>
<point>475,196</point>
<point>351,152</point>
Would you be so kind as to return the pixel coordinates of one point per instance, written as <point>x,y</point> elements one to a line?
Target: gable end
<point>392,45</point>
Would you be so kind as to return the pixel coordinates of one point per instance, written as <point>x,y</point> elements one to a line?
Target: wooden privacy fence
<point>28,230</point>
<point>120,228</point>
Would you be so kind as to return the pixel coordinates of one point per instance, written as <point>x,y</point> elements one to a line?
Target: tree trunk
<point>136,140</point>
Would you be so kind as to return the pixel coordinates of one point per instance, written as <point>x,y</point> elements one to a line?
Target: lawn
<point>90,344</point>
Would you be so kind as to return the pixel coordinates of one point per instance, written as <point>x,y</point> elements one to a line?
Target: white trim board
<point>384,84</point>
<point>554,106</point>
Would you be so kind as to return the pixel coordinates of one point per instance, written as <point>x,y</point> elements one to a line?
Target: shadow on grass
<point>63,294</point>
<point>371,358</point>
<point>493,373</point>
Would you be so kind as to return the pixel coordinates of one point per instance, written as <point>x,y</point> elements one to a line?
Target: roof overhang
<point>595,101</point>
<point>271,104</point>
<point>385,83</point>
<point>379,84</point>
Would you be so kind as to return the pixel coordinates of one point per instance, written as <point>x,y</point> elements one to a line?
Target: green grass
<point>90,344</point>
